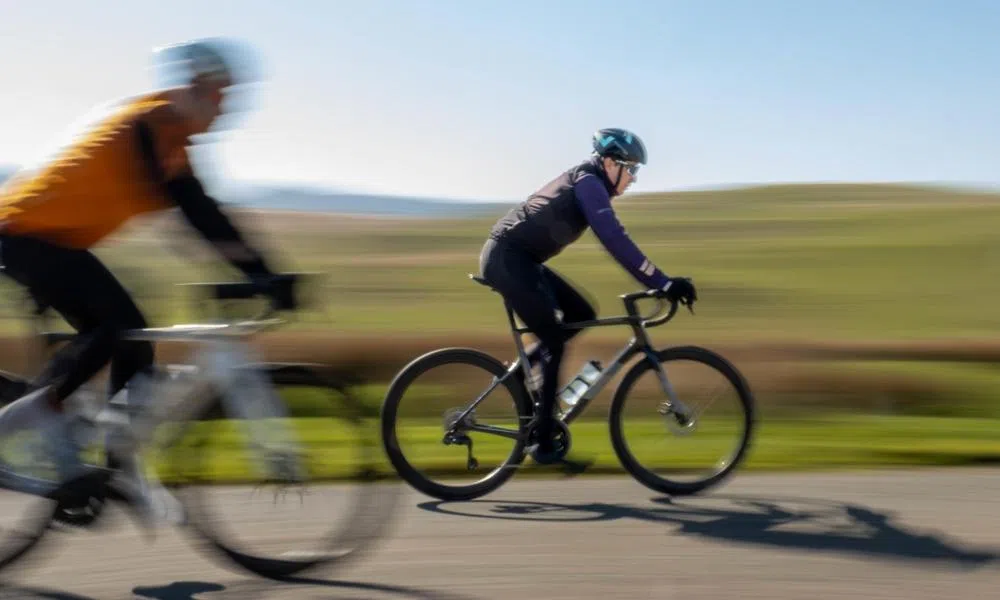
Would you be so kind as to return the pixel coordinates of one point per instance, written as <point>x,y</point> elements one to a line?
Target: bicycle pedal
<point>80,517</point>
<point>92,483</point>
<point>546,458</point>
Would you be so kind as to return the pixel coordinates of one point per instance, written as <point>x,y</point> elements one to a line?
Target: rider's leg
<point>574,308</point>
<point>493,267</point>
<point>523,283</point>
<point>76,285</point>
<point>573,305</point>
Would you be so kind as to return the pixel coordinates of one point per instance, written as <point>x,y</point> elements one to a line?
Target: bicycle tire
<point>12,387</point>
<point>634,467</point>
<point>31,539</point>
<point>390,405</point>
<point>371,510</point>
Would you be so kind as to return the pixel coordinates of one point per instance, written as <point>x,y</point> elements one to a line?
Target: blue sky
<point>488,100</point>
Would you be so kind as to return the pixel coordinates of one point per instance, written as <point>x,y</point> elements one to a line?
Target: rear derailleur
<point>454,434</point>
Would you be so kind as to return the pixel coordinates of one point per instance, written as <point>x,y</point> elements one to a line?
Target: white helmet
<point>213,60</point>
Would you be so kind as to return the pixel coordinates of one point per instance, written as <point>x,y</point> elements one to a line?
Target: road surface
<point>922,534</point>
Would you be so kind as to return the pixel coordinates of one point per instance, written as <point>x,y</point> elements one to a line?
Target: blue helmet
<point>619,144</point>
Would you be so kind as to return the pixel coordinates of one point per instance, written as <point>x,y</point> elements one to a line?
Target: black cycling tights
<point>535,292</point>
<point>75,284</point>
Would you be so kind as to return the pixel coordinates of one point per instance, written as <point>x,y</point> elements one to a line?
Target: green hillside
<point>799,261</point>
<point>821,263</point>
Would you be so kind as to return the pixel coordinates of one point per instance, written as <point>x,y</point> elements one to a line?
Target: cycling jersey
<point>561,211</point>
<point>100,179</point>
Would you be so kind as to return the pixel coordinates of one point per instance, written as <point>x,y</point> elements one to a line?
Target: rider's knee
<point>142,353</point>
<point>139,353</point>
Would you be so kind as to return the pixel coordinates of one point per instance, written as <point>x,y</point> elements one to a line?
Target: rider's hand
<point>680,289</point>
<point>281,289</point>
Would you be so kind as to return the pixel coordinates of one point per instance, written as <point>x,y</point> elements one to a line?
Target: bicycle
<point>459,422</point>
<point>218,378</point>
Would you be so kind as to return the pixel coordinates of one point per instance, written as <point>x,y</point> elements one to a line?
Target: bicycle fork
<point>672,405</point>
<point>249,396</point>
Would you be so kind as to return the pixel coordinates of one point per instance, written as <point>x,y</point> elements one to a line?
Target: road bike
<point>674,416</point>
<point>218,393</point>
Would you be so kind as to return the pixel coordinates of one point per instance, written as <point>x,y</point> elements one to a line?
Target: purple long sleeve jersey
<point>595,202</point>
<point>558,214</point>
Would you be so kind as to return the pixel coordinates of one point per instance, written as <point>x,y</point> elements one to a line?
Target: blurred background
<point>826,172</point>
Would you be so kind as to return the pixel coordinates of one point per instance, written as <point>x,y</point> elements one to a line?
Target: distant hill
<point>300,200</point>
<point>824,193</point>
<point>294,199</point>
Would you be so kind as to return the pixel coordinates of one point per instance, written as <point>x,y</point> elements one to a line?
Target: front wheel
<point>260,516</point>
<point>660,443</point>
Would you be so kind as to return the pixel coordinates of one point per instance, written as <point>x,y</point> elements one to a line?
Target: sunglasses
<point>631,167</point>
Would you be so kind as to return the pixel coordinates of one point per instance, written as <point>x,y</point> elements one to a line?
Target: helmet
<point>619,144</point>
<point>214,60</point>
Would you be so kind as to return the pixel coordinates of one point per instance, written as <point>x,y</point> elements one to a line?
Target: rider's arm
<point>594,201</point>
<point>201,210</point>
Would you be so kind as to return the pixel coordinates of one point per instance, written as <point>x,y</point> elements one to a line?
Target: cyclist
<point>133,160</point>
<point>514,255</point>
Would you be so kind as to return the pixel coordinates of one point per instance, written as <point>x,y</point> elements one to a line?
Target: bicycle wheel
<point>30,523</point>
<point>31,480</point>
<point>647,432</point>
<point>470,374</point>
<point>201,464</point>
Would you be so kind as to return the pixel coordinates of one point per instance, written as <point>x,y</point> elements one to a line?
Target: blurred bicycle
<point>220,427</point>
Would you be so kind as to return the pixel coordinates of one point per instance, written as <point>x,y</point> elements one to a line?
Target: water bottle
<point>579,385</point>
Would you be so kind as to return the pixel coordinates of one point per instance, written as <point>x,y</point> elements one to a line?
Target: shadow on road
<point>304,588</point>
<point>787,523</point>
<point>34,593</point>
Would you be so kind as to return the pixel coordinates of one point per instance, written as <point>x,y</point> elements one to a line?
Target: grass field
<point>820,264</point>
<point>823,443</point>
<point>806,262</point>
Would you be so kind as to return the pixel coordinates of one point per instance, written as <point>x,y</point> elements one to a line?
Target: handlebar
<point>652,320</point>
<point>279,288</point>
<point>282,290</point>
<point>285,292</point>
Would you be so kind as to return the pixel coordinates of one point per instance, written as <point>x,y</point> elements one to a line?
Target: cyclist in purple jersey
<point>551,219</point>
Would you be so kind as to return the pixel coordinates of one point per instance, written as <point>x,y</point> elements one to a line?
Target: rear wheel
<point>438,387</point>
<point>25,516</point>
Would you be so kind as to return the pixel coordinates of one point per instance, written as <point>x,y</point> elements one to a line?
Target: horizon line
<point>319,188</point>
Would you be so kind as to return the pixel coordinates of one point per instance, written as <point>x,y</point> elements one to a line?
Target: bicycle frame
<point>216,367</point>
<point>638,344</point>
<point>221,363</point>
<point>221,358</point>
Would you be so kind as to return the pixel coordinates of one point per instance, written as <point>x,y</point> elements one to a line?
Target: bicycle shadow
<point>190,590</point>
<point>817,526</point>
<point>245,590</point>
<point>29,593</point>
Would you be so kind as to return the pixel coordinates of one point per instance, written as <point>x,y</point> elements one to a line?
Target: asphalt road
<point>923,534</point>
